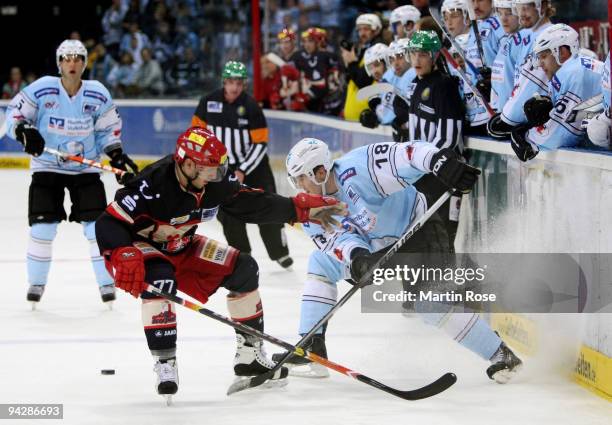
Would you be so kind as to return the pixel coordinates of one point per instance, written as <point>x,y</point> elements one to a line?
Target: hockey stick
<point>436,387</point>
<point>85,161</point>
<point>449,58</point>
<point>474,24</point>
<point>260,379</point>
<point>437,18</point>
<point>373,90</point>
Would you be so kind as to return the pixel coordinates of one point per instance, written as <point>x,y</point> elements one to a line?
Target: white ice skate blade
<point>109,304</point>
<point>168,398</point>
<point>310,370</point>
<point>504,376</point>
<point>269,384</point>
<point>34,303</point>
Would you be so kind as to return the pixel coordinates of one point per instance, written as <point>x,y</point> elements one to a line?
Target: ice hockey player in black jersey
<point>147,236</point>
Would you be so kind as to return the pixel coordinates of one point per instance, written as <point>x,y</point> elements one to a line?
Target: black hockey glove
<point>484,85</point>
<point>368,118</point>
<point>449,167</point>
<point>120,160</point>
<point>498,129</point>
<point>361,261</point>
<point>523,148</point>
<point>33,143</point>
<point>537,110</point>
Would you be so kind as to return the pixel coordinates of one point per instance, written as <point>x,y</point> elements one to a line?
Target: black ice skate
<point>301,366</point>
<point>251,360</point>
<point>35,293</point>
<point>107,293</point>
<point>167,378</point>
<point>285,262</point>
<point>504,365</point>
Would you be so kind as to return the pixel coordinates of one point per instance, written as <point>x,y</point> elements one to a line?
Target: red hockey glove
<point>128,263</point>
<point>318,209</point>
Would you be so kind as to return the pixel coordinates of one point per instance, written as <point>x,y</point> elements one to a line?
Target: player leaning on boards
<point>551,120</point>
<point>75,116</point>
<point>239,123</point>
<point>376,183</point>
<point>148,235</point>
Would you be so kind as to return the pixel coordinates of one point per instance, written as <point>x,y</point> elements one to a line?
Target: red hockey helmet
<point>286,33</point>
<point>313,33</point>
<point>202,147</point>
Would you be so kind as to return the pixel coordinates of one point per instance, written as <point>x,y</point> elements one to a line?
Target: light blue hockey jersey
<point>577,80</point>
<point>491,33</point>
<point>502,76</point>
<point>85,125</point>
<point>528,79</point>
<point>384,111</point>
<point>375,181</point>
<point>475,112</point>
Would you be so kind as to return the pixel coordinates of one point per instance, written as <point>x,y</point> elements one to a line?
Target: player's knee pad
<point>318,298</point>
<point>245,277</point>
<point>245,307</point>
<point>41,239</point>
<point>160,274</point>
<point>159,321</point>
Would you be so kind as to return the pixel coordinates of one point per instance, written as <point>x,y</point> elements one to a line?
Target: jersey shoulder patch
<point>493,22</point>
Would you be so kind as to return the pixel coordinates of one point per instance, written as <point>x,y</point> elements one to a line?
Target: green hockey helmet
<point>234,70</point>
<point>425,41</point>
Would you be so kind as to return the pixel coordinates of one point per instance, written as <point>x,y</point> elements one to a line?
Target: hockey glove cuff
<point>537,110</point>
<point>318,209</point>
<point>522,147</point>
<point>448,166</point>
<point>498,129</point>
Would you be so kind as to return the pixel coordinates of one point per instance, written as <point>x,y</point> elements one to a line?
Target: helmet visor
<point>212,173</point>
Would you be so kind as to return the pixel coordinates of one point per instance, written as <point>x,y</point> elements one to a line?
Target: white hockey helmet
<point>587,53</point>
<point>503,4</point>
<point>450,5</point>
<point>555,36</point>
<point>536,3</point>
<point>402,15</point>
<point>375,53</point>
<point>370,19</point>
<point>70,47</point>
<point>303,158</point>
<point>398,47</point>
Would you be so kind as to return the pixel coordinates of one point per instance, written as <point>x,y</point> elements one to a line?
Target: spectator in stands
<point>162,46</point>
<point>112,26</point>
<point>122,76</point>
<point>30,77</point>
<point>133,14</point>
<point>75,35</point>
<point>14,85</point>
<point>311,8</point>
<point>330,18</point>
<point>185,75</point>
<point>149,77</point>
<point>368,29</point>
<point>134,41</point>
<point>271,81</point>
<point>185,39</point>
<point>102,65</point>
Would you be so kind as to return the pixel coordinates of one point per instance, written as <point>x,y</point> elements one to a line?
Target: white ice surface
<point>55,354</point>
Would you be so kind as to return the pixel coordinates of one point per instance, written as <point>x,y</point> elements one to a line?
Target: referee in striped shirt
<point>238,121</point>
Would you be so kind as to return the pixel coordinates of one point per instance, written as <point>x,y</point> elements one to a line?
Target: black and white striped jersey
<point>240,125</point>
<point>436,111</point>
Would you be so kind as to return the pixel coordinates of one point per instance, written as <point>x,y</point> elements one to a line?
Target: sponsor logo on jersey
<point>168,332</point>
<point>555,83</point>
<point>90,108</point>
<point>526,40</point>
<point>164,317</point>
<point>516,38</point>
<point>57,123</point>
<point>587,63</point>
<point>214,252</point>
<point>352,194</point>
<point>46,92</point>
<point>95,95</point>
<point>242,122</point>
<point>209,213</point>
<point>364,220</point>
<point>51,105</point>
<point>179,220</point>
<point>241,111</point>
<point>214,107</point>
<point>484,33</point>
<point>347,174</point>
<point>425,93</point>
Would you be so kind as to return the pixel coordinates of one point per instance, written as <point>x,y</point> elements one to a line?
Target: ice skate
<point>504,365</point>
<point>301,366</point>
<point>167,378</point>
<point>285,262</point>
<point>251,360</point>
<point>107,293</point>
<point>35,293</point>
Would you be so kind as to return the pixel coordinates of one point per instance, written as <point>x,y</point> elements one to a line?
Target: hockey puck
<point>107,371</point>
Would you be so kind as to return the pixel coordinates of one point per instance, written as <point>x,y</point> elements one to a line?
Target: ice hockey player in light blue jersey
<point>74,116</point>
<point>491,32</point>
<point>599,128</point>
<point>502,76</point>
<point>529,78</point>
<point>552,122</point>
<point>375,182</point>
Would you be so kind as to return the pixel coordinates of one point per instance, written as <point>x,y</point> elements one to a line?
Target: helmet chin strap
<point>190,187</point>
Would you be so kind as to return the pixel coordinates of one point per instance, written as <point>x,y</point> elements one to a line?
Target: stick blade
<point>439,385</point>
